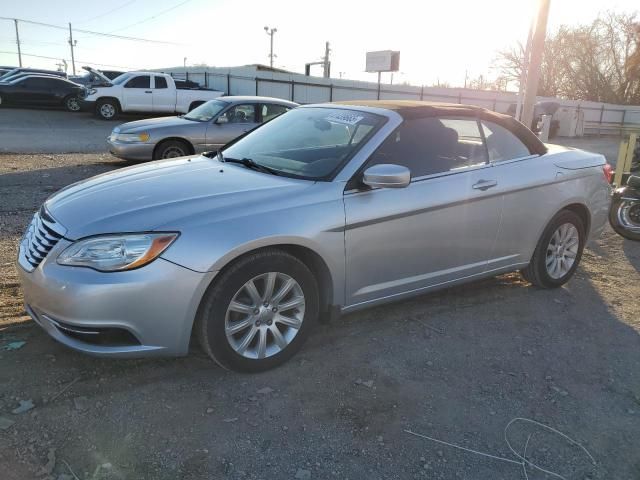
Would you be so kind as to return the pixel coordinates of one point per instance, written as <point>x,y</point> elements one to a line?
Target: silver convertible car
<point>326,209</point>
<point>206,127</point>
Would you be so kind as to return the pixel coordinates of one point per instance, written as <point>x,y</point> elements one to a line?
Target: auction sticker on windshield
<point>346,118</point>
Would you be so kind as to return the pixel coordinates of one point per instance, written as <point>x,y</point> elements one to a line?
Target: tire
<point>615,214</point>
<point>171,149</point>
<point>635,161</point>
<point>72,103</point>
<point>194,105</point>
<point>107,109</point>
<point>215,316</point>
<point>560,269</point>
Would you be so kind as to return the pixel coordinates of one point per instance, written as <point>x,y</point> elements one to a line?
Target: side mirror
<point>221,120</point>
<point>387,175</point>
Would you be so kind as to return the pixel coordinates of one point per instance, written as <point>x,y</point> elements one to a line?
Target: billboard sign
<point>383,61</point>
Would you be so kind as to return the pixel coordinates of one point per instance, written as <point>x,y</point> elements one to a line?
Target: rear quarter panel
<point>534,190</point>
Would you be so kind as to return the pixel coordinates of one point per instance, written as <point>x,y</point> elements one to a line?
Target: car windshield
<point>310,143</point>
<point>207,111</point>
<point>120,79</point>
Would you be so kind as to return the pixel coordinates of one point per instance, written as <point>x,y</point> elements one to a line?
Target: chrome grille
<point>41,236</point>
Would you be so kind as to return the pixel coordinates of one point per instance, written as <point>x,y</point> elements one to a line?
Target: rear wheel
<point>72,103</point>
<point>107,109</point>
<point>171,149</point>
<point>558,252</point>
<point>624,217</point>
<point>259,312</point>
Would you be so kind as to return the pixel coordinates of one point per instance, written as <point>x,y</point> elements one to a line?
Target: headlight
<point>111,253</point>
<point>92,91</point>
<point>132,137</point>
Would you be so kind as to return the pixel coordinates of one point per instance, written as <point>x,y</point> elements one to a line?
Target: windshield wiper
<point>249,163</point>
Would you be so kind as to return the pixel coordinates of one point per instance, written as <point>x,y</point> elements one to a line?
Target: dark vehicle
<point>187,85</point>
<point>42,91</point>
<point>33,71</point>
<point>95,78</point>
<point>624,215</point>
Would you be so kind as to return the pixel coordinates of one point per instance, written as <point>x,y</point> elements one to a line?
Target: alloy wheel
<point>173,152</point>
<point>107,110</point>
<point>265,315</point>
<point>562,250</point>
<point>73,104</point>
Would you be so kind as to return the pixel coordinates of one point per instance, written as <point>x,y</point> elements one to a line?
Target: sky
<point>438,41</point>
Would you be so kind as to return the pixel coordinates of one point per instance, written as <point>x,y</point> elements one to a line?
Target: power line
<point>126,4</point>
<point>152,17</point>
<point>61,58</point>
<point>110,35</point>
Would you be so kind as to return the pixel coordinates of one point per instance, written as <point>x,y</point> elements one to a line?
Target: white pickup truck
<point>143,92</point>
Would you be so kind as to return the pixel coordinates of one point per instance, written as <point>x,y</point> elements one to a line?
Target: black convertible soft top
<point>410,109</point>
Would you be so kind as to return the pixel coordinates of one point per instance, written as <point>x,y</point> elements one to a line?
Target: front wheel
<point>259,312</point>
<point>72,103</point>
<point>624,217</point>
<point>171,149</point>
<point>558,252</point>
<point>106,109</point>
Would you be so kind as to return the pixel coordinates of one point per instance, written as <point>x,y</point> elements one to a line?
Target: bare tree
<point>599,62</point>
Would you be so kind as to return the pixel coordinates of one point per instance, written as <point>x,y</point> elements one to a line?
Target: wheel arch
<point>189,145</point>
<point>583,212</point>
<point>311,258</point>
<point>114,99</point>
<point>195,103</point>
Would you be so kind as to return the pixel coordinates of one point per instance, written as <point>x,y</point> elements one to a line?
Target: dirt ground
<point>456,366</point>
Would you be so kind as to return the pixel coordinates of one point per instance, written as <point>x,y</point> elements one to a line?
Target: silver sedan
<point>324,210</point>
<point>207,127</point>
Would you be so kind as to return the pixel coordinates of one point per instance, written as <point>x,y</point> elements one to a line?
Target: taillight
<point>608,172</point>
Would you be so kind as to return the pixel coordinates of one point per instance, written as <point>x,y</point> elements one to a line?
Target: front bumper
<point>131,151</point>
<point>143,312</point>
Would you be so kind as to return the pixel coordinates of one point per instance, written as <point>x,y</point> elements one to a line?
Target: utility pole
<point>271,32</point>
<point>523,74</point>
<point>18,42</point>
<point>533,74</point>
<point>326,64</point>
<point>72,44</point>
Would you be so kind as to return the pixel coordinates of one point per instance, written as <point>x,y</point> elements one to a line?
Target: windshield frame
<point>382,121</point>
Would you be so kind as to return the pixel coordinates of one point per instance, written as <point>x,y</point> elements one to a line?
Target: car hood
<point>164,194</point>
<point>161,122</point>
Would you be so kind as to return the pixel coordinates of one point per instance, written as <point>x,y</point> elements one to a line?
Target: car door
<point>233,122</point>
<point>137,94</point>
<point>440,228</point>
<point>32,91</point>
<point>164,98</point>
<point>529,185</point>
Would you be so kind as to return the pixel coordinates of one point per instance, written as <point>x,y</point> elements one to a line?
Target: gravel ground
<point>457,366</point>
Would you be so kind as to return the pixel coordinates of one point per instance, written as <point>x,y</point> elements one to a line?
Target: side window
<point>241,114</point>
<point>431,145</point>
<point>502,144</point>
<point>270,110</point>
<point>161,82</point>
<point>141,81</point>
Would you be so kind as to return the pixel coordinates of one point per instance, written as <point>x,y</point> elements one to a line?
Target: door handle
<point>147,91</point>
<point>484,184</point>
